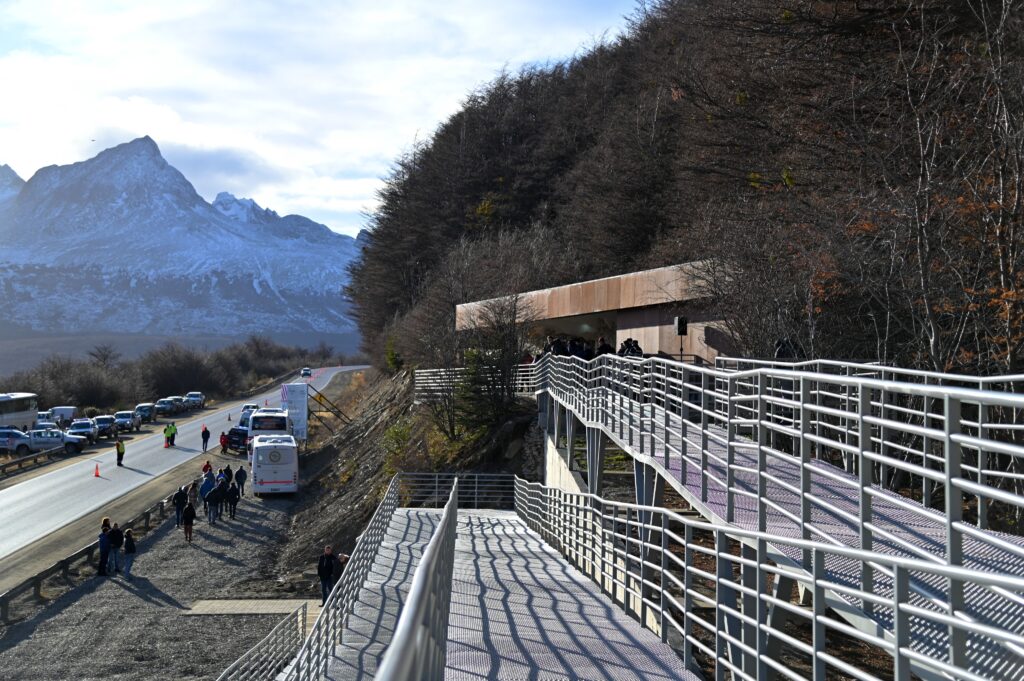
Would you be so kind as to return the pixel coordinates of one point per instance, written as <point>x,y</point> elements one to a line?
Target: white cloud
<point>319,96</point>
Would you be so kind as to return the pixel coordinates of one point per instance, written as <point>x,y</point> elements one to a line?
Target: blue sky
<point>301,105</point>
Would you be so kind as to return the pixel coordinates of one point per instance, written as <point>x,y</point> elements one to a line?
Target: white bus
<point>19,410</point>
<point>275,464</point>
<point>268,421</point>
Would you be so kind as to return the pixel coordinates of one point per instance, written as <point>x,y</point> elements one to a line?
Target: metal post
<point>805,465</point>
<point>818,640</point>
<point>901,624</point>
<point>763,436</point>
<point>954,537</point>
<point>864,468</point>
<point>984,461</point>
<point>730,456</point>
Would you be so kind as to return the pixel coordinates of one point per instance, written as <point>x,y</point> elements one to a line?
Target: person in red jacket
<point>223,443</point>
<point>207,467</point>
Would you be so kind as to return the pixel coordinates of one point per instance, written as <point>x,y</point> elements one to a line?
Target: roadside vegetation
<point>105,381</point>
<point>850,174</point>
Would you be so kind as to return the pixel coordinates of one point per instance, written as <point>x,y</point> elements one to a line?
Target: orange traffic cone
<point>97,473</point>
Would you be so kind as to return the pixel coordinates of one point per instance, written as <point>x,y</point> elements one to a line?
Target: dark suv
<point>106,425</point>
<point>237,439</point>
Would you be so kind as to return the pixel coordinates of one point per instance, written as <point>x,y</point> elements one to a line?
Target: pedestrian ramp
<point>518,609</point>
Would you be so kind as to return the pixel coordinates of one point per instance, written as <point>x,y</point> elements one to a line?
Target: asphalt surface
<point>33,509</point>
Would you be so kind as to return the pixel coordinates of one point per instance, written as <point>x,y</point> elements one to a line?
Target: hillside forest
<point>848,174</point>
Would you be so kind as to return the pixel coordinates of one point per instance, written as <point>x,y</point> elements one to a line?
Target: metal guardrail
<point>724,603</point>
<point>62,566</point>
<point>263,387</point>
<point>269,657</point>
<point>419,645</point>
<point>18,464</point>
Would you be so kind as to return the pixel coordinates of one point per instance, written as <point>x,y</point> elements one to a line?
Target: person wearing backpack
<point>116,542</point>
<point>232,498</point>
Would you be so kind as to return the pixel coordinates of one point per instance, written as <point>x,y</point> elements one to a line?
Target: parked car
<point>306,371</point>
<point>128,421</point>
<point>106,426</point>
<point>46,425</point>
<point>14,440</point>
<point>146,412</point>
<point>238,439</point>
<point>179,403</point>
<point>164,407</point>
<point>85,428</point>
<point>195,400</point>
<point>44,416</point>
<point>43,439</point>
<point>250,406</point>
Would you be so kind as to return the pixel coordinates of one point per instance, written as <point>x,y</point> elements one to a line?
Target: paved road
<point>34,508</point>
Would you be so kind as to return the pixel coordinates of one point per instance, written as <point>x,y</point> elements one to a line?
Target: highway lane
<point>36,507</point>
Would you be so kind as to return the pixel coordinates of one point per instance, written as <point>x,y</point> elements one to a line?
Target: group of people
<point>329,569</point>
<point>117,550</point>
<point>170,432</point>
<point>218,493</point>
<point>578,347</point>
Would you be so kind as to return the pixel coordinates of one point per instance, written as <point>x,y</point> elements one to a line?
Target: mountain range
<point>123,243</point>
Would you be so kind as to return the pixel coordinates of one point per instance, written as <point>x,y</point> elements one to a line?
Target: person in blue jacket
<point>204,489</point>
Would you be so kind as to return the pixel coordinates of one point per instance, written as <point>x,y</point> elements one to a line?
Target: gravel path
<point>115,629</point>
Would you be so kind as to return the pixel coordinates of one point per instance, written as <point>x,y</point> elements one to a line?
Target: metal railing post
<point>954,515</point>
<point>864,469</point>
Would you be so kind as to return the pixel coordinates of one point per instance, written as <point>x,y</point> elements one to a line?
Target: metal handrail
<point>272,654</point>
<point>418,648</point>
<point>682,574</point>
<point>315,652</point>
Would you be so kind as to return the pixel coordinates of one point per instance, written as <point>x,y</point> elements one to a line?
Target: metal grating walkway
<point>518,610</point>
<point>927,536</point>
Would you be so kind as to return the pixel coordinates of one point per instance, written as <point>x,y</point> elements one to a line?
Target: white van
<point>64,414</point>
<point>275,464</point>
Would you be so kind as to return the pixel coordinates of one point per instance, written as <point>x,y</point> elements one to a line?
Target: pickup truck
<point>14,441</point>
<point>238,439</point>
<point>195,400</point>
<point>52,438</point>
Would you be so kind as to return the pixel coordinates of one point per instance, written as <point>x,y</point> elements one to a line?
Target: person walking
<point>116,537</point>
<point>240,476</point>
<point>228,475</point>
<point>104,540</point>
<point>223,443</point>
<point>206,437</point>
<point>211,500</point>
<point>193,496</point>
<point>129,554</point>
<point>119,446</point>
<point>233,497</point>
<point>188,518</point>
<point>174,432</point>
<point>325,571</point>
<point>207,467</point>
<point>180,498</point>
<point>222,497</point>
<point>205,490</point>
<point>167,436</point>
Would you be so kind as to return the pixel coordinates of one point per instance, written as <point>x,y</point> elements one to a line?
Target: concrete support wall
<point>556,470</point>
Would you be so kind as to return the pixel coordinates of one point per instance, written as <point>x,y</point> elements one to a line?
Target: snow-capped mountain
<point>10,184</point>
<point>123,242</point>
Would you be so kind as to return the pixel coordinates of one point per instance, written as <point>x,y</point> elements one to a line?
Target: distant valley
<point>122,248</point>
